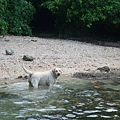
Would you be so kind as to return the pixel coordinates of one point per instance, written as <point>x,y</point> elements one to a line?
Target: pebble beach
<point>70,55</point>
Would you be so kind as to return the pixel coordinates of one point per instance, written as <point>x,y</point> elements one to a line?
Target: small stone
<point>28,58</point>
<point>9,51</point>
<point>26,77</point>
<point>6,82</point>
<point>20,76</point>
<point>34,40</point>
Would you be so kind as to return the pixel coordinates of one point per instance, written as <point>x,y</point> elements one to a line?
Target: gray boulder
<point>9,51</point>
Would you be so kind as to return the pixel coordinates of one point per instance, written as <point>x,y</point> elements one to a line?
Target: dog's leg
<point>50,87</point>
<point>30,84</point>
<point>36,86</point>
<point>34,83</point>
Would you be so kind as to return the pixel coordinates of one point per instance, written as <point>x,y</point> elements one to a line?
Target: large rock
<point>104,69</point>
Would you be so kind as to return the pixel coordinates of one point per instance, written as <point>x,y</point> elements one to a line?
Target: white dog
<point>43,78</point>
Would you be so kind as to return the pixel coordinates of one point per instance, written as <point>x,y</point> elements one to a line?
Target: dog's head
<point>57,71</point>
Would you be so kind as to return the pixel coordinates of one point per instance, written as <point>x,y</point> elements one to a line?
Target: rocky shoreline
<point>78,59</point>
<point>98,75</point>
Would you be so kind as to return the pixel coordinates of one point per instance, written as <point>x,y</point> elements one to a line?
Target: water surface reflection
<point>67,101</point>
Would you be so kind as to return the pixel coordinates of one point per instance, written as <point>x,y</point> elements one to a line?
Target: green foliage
<point>3,27</point>
<point>87,12</point>
<point>3,23</point>
<point>15,17</point>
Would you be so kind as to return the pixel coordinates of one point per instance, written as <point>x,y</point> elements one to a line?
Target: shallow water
<point>70,99</point>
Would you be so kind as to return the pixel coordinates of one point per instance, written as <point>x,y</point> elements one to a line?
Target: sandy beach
<point>71,56</point>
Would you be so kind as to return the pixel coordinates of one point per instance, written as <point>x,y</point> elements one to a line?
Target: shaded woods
<point>63,18</point>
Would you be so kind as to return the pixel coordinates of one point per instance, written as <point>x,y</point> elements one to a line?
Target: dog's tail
<point>27,71</point>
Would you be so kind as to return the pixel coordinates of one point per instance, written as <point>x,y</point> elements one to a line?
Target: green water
<point>70,99</point>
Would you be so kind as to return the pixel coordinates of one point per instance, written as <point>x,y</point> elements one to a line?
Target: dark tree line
<point>67,17</point>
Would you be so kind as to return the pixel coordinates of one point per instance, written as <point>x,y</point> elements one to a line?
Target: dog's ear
<point>53,70</point>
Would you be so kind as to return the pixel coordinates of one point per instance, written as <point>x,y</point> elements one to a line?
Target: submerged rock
<point>70,115</point>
